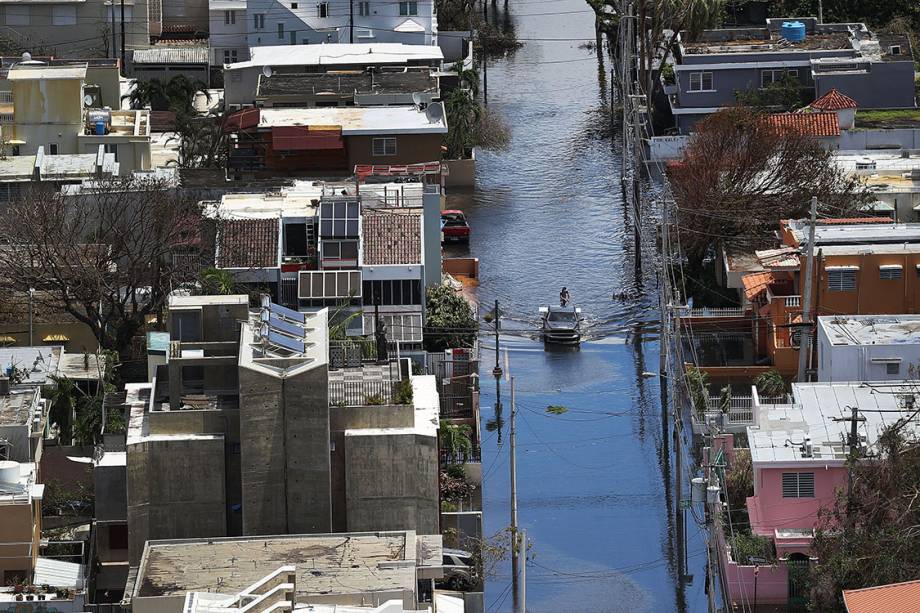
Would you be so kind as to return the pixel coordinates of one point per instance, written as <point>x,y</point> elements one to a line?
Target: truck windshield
<point>561,316</point>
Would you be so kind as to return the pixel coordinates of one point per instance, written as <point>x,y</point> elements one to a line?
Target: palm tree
<point>770,383</point>
<point>217,281</point>
<point>463,114</point>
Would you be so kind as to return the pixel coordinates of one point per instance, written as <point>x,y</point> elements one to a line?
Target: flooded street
<point>594,483</point>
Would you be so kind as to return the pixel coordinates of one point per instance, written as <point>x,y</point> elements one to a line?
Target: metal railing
<point>713,312</point>
<point>352,353</point>
<point>364,393</point>
<point>740,412</point>
<point>474,455</point>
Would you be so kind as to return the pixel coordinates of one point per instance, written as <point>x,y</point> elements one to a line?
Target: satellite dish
<point>87,100</point>
<point>435,112</point>
<point>26,57</point>
<point>267,71</point>
<point>417,99</point>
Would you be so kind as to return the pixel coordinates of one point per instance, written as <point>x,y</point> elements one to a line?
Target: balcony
<point>741,413</point>
<point>368,385</point>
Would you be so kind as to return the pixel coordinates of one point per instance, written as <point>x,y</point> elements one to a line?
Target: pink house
<point>798,453</point>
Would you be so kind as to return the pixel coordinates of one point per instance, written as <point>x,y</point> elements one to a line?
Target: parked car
<point>458,569</point>
<point>561,325</point>
<point>454,227</point>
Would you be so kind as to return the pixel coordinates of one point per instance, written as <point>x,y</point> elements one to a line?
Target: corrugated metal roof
<point>57,573</point>
<point>171,55</point>
<point>894,598</point>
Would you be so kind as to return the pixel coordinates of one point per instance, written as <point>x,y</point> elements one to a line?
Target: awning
<point>56,338</point>
<point>242,120</point>
<point>878,206</point>
<point>303,138</point>
<point>15,141</point>
<point>756,283</point>
<point>7,339</point>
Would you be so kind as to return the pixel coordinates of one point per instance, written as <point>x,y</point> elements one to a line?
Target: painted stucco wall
<point>769,510</point>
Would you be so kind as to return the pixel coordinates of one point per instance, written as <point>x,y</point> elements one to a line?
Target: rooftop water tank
<point>9,472</point>
<point>793,31</point>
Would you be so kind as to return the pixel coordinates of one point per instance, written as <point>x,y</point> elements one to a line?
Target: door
<point>797,565</point>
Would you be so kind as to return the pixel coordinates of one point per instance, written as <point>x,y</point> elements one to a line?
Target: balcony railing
<point>740,413</point>
<point>713,312</point>
<point>792,302</point>
<point>363,393</point>
<point>352,353</point>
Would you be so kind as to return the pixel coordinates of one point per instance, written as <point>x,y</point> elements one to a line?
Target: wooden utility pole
<point>853,443</point>
<point>515,545</point>
<point>497,373</point>
<point>805,333</point>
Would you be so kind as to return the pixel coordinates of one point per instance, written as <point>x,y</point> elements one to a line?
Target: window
<point>63,15</point>
<point>340,250</point>
<point>403,327</point>
<point>129,13</point>
<point>364,33</point>
<point>338,218</point>
<point>118,536</point>
<point>893,368</point>
<point>185,325</point>
<point>393,293</point>
<point>889,273</point>
<point>384,146</point>
<point>293,37</point>
<point>798,485</point>
<point>113,149</point>
<point>701,81</point>
<point>17,15</point>
<point>259,20</point>
<point>281,29</point>
<point>322,10</point>
<point>364,9</point>
<point>229,17</point>
<point>230,56</point>
<point>317,284</point>
<point>894,50</point>
<point>408,8</point>
<point>52,148</point>
<point>293,5</point>
<point>841,280</point>
<point>295,239</point>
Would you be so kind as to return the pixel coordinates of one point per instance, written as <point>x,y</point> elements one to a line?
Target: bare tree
<point>108,258</point>
<point>741,174</point>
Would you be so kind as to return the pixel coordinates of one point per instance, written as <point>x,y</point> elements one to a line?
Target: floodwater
<point>595,482</point>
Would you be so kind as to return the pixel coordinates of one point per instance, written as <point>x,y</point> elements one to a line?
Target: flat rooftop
<point>782,429</point>
<point>871,329</point>
<point>64,167</point>
<point>344,83</point>
<point>32,72</point>
<point>16,408</point>
<point>38,363</point>
<point>327,564</point>
<point>857,234</point>
<point>761,40</point>
<point>339,54</point>
<point>358,121</point>
<point>300,200</point>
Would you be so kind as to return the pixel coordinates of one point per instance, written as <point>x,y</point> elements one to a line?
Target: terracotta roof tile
<point>894,598</point>
<point>392,238</point>
<point>756,283</point>
<point>834,101</point>
<point>248,243</point>
<point>814,124</point>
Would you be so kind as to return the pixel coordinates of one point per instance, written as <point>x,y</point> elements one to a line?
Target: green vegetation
<point>783,96</point>
<point>216,281</point>
<point>451,321</point>
<point>770,383</point>
<point>470,124</point>
<point>887,118</point>
<point>456,440</point>
<point>668,75</point>
<point>402,393</point>
<point>698,383</point>
<point>555,409</point>
<point>749,549</point>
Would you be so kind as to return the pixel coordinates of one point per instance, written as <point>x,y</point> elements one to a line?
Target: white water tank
<point>697,490</point>
<point>712,494</point>
<point>9,471</point>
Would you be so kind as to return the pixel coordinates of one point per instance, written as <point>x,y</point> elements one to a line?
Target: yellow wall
<point>46,112</point>
<point>17,527</point>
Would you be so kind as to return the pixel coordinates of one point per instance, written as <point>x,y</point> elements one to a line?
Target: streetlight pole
<point>31,327</point>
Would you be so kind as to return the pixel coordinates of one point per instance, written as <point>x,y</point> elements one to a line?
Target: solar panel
<point>287,342</point>
<point>297,316</point>
<point>286,326</point>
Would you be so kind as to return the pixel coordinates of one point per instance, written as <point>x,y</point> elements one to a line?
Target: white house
<point>868,347</point>
<point>227,22</point>
<point>294,22</point>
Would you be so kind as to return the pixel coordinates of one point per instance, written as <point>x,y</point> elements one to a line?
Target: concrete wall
<point>15,529</point>
<point>383,416</point>
<point>897,138</point>
<point>46,112</point>
<point>769,510</point>
<point>133,153</point>
<point>410,149</point>
<point>224,36</point>
<point>87,37</point>
<point>854,362</point>
<point>873,296</point>
<point>461,173</point>
<point>884,85</point>
<point>191,14</point>
<point>111,486</point>
<point>727,81</point>
<point>431,237</point>
<point>285,468</point>
<point>454,44</point>
<point>392,482</point>
<point>175,490</point>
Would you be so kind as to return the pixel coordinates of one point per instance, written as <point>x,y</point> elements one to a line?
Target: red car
<point>454,226</point>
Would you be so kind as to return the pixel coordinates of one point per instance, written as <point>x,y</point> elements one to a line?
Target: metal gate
<point>797,566</point>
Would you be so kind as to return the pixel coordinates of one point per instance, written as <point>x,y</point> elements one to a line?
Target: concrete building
<point>227,26</point>
<point>18,173</point>
<point>185,18</point>
<point>350,569</point>
<point>371,22</point>
<point>165,62</point>
<point>241,79</point>
<point>110,533</point>
<point>22,422</point>
<point>332,141</point>
<point>280,447</point>
<point>103,79</point>
<point>74,29</point>
<point>21,529</point>
<point>799,457</point>
<point>399,86</point>
<point>868,347</point>
<point>874,70</point>
<point>893,177</point>
<point>48,111</point>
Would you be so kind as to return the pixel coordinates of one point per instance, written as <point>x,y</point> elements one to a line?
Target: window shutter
<point>790,485</point>
<point>806,485</point>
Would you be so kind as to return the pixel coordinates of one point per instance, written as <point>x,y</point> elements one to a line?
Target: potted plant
<point>19,597</point>
<point>669,79</point>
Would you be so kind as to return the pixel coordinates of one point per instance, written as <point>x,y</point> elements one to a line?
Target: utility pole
<point>31,297</point>
<point>820,11</point>
<point>853,443</point>
<point>497,373</point>
<point>805,334</point>
<point>485,59</point>
<point>515,545</point>
<point>123,35</point>
<point>351,21</point>
<point>523,563</point>
<point>114,45</point>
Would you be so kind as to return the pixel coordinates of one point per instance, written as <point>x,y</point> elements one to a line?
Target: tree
<point>698,384</point>
<point>770,383</point>
<point>869,536</point>
<point>471,125</point>
<point>217,281</point>
<point>105,258</point>
<point>784,95</point>
<point>455,440</point>
<point>200,141</point>
<point>740,175</point>
<point>450,321</point>
<point>176,95</point>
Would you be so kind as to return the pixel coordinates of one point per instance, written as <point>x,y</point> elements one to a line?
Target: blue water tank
<point>100,128</point>
<point>793,31</point>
